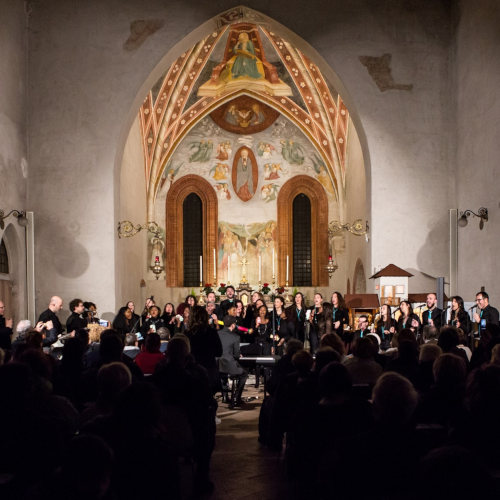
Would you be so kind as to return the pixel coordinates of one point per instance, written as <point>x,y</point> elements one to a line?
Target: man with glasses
<point>484,311</point>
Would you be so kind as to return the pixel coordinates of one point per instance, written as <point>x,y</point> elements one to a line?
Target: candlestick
<point>286,270</point>
<point>260,268</point>
<point>273,261</point>
<point>201,270</point>
<point>215,268</point>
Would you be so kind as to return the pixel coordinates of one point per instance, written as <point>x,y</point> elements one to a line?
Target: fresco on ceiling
<point>274,155</point>
<point>244,115</point>
<point>240,246</point>
<point>244,65</point>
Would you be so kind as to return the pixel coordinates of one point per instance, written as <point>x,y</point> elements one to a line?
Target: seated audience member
<point>147,359</point>
<point>284,365</point>
<point>495,355</point>
<point>131,348</point>
<point>430,334</point>
<point>427,356</point>
<point>111,380</point>
<point>443,404</point>
<point>76,319</point>
<point>165,336</point>
<point>362,367</point>
<point>489,338</point>
<point>228,361</point>
<point>334,341</point>
<point>448,341</point>
<point>406,362</point>
<point>462,341</point>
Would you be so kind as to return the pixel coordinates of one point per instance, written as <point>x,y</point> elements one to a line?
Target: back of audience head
<point>483,394</point>
<point>178,350</point>
<point>111,346</point>
<point>430,334</point>
<point>293,346</point>
<point>404,334</point>
<point>334,341</point>
<point>22,328</point>
<point>495,355</point>
<point>34,339</point>
<point>130,339</point>
<point>73,351</point>
<point>199,318</point>
<point>449,371</point>
<point>429,353</point>
<point>334,381</point>
<point>164,333</point>
<point>364,348</point>
<point>302,361</point>
<point>448,338</point>
<point>113,378</point>
<point>324,356</point>
<point>394,400</point>
<point>153,343</point>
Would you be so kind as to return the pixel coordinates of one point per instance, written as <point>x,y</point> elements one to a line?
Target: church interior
<point>171,148</point>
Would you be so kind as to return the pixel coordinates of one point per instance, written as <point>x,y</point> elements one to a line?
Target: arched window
<point>192,210</point>
<point>302,254</point>
<point>4,259</point>
<point>192,247</point>
<point>314,194</point>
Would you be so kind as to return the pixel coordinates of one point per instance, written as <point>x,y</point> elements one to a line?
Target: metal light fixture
<point>357,228</point>
<point>157,268</point>
<point>331,267</point>
<point>126,229</point>
<point>20,214</point>
<point>482,214</point>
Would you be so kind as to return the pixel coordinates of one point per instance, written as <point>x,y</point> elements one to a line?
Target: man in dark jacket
<point>228,362</point>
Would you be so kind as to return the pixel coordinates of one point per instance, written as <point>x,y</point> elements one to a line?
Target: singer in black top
<point>168,317</point>
<point>459,316</point>
<point>340,316</point>
<point>485,311</point>
<point>262,335</point>
<point>280,325</point>
<point>76,320</point>
<point>153,323</point>
<point>123,321</point>
<point>386,327</point>
<point>296,317</point>
<point>408,319</point>
<point>433,316</point>
<point>314,317</point>
<point>225,304</point>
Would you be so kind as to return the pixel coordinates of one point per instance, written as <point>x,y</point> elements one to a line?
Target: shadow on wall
<point>432,257</point>
<point>59,247</point>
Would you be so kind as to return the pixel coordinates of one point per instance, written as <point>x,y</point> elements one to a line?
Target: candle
<point>287,268</point>
<point>201,269</point>
<point>215,266</point>
<point>273,262</point>
<point>260,268</point>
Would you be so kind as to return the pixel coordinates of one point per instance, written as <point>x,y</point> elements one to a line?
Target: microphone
<point>473,307</point>
<point>420,306</point>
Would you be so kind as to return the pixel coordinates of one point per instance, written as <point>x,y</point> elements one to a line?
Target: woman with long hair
<point>123,321</point>
<point>280,325</point>
<point>168,317</point>
<point>315,313</point>
<point>190,301</point>
<point>262,335</point>
<point>296,316</point>
<point>459,317</point>
<point>340,315</point>
<point>407,318</point>
<point>386,326</point>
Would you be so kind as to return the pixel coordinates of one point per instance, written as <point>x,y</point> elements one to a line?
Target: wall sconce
<point>20,214</point>
<point>357,228</point>
<point>482,214</point>
<point>157,268</point>
<point>126,229</point>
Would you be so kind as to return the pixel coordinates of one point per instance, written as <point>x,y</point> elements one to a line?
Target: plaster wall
<point>86,85</point>
<point>131,252</point>
<point>478,147</point>
<point>13,163</point>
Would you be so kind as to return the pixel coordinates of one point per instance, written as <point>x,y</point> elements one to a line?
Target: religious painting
<point>271,171</point>
<point>265,150</point>
<point>170,171</point>
<point>201,151</point>
<point>223,151</point>
<point>244,115</point>
<point>219,172</point>
<point>269,192</point>
<point>245,174</point>
<point>239,249</point>
<point>222,189</point>
<point>322,174</point>
<point>292,152</point>
<point>244,66</point>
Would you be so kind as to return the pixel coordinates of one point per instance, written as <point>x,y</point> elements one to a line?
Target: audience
<point>95,427</point>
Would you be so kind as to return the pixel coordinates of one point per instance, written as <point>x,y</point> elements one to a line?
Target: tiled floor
<point>242,468</point>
